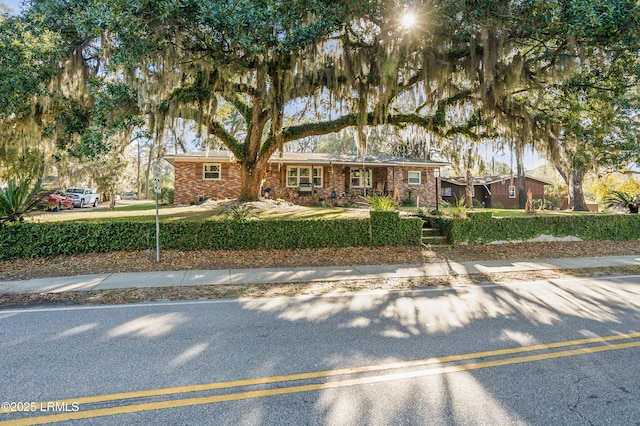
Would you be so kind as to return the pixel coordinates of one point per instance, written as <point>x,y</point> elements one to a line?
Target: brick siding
<point>190,184</point>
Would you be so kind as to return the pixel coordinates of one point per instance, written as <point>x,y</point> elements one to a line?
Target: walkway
<point>302,274</point>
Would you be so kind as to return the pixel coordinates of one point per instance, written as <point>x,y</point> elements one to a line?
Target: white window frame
<point>218,172</point>
<point>295,174</point>
<point>409,177</point>
<point>512,191</point>
<point>317,177</point>
<point>446,191</point>
<point>357,174</point>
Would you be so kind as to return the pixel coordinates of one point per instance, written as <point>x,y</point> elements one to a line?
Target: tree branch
<point>229,141</point>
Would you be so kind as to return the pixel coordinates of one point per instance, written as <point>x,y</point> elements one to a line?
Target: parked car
<point>57,200</point>
<point>129,196</point>
<point>84,196</point>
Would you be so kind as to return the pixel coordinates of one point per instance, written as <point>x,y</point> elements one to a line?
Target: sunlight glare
<point>408,20</point>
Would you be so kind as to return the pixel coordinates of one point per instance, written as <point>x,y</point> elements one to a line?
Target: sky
<point>14,5</point>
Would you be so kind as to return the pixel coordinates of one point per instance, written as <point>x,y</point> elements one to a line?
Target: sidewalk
<point>302,274</point>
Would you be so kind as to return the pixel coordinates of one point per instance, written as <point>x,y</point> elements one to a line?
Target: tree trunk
<point>252,173</point>
<point>522,195</point>
<point>147,173</point>
<point>250,178</point>
<point>579,203</point>
<point>468,190</point>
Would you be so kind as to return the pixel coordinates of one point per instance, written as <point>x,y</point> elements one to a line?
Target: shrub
<point>623,199</point>
<point>240,213</point>
<point>458,209</point>
<point>481,228</point>
<point>28,239</point>
<point>381,203</point>
<point>167,195</point>
<point>477,204</point>
<point>386,228</point>
<point>18,198</point>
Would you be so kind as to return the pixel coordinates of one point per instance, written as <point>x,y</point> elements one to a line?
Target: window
<point>446,192</point>
<point>361,178</point>
<point>414,177</point>
<point>512,191</point>
<point>211,172</point>
<point>317,176</point>
<point>292,176</point>
<point>302,175</point>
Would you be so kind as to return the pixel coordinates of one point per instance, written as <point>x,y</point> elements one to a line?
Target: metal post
<point>157,231</point>
<point>157,186</point>
<point>436,173</point>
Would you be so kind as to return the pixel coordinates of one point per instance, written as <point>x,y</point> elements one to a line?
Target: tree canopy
<point>559,75</point>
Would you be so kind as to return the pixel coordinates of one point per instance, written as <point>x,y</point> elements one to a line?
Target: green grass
<point>146,212</point>
<point>522,213</point>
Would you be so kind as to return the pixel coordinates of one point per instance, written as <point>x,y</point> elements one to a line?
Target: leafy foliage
<point>481,228</point>
<point>167,195</point>
<point>240,213</point>
<point>27,239</point>
<point>622,199</point>
<point>27,63</point>
<point>388,229</point>
<point>559,75</point>
<point>457,209</point>
<point>17,199</point>
<point>381,203</point>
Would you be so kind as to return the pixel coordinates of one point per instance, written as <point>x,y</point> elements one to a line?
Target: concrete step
<point>439,240</point>
<point>431,232</point>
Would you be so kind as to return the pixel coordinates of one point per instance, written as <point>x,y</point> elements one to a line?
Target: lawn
<point>145,211</point>
<point>522,213</point>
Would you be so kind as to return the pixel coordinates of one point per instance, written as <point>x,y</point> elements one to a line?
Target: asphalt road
<point>561,352</point>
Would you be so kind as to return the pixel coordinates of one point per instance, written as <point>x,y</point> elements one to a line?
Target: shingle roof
<point>307,158</point>
<point>487,180</point>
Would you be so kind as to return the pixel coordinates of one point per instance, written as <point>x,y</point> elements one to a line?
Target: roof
<point>488,180</point>
<point>306,158</point>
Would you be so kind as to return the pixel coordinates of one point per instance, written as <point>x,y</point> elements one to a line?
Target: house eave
<point>225,157</point>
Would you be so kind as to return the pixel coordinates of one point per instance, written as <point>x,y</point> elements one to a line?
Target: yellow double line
<point>439,369</point>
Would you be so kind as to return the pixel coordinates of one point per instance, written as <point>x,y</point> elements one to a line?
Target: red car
<point>57,201</point>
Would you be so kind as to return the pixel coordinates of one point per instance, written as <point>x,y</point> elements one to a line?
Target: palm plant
<point>381,203</point>
<point>624,200</point>
<point>18,198</point>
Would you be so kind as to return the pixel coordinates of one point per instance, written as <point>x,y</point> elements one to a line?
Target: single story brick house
<point>492,191</point>
<point>298,176</point>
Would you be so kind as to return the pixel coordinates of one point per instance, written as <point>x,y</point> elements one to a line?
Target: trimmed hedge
<point>28,240</point>
<point>481,228</point>
<point>388,229</point>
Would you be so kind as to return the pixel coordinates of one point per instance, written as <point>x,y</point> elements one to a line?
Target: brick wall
<point>190,184</point>
<point>398,180</point>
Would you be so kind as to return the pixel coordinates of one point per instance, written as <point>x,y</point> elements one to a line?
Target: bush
<point>167,195</point>
<point>623,199</point>
<point>481,228</point>
<point>381,203</point>
<point>388,229</point>
<point>29,240</point>
<point>18,198</point>
<point>240,213</point>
